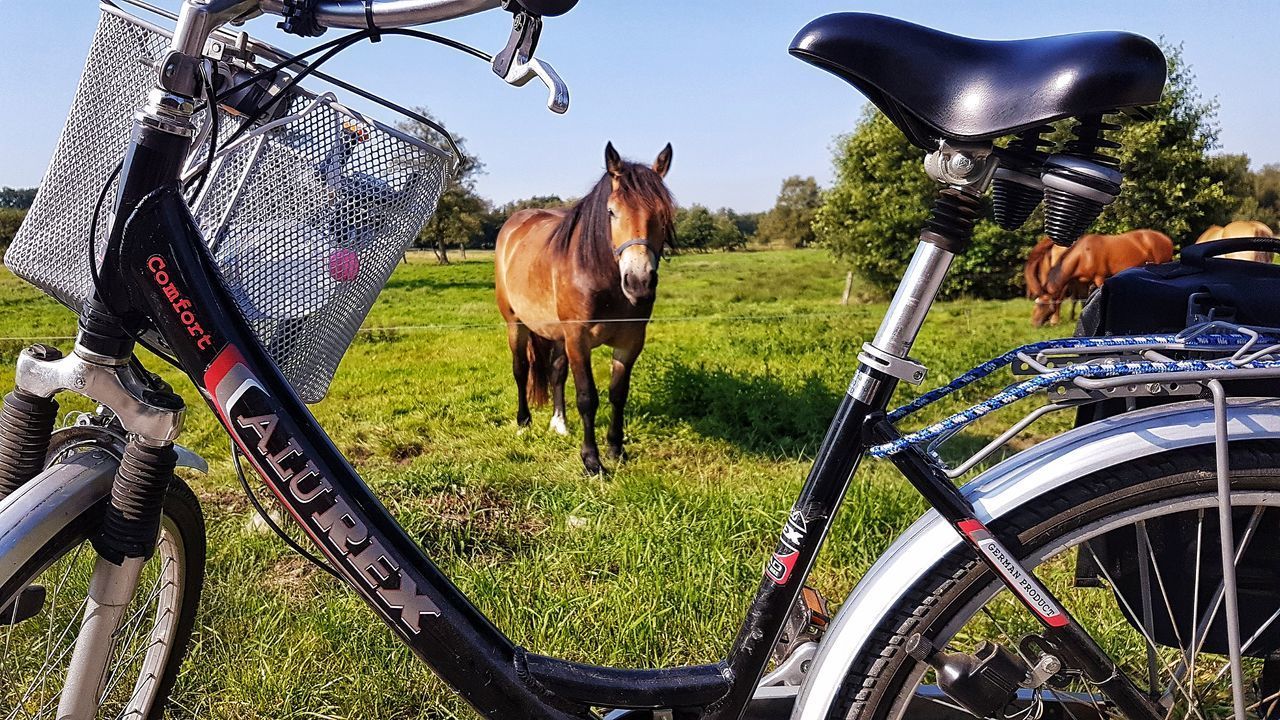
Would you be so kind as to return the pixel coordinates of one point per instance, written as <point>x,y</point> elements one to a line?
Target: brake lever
<point>516,63</point>
<point>521,73</point>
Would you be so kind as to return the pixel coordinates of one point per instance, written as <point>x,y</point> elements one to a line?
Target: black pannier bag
<point>1166,299</point>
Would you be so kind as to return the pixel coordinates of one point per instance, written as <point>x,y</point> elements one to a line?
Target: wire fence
<point>444,327</point>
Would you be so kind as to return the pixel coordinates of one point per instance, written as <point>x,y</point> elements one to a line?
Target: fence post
<point>848,286</point>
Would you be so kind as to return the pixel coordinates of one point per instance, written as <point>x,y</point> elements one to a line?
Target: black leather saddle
<point>934,85</point>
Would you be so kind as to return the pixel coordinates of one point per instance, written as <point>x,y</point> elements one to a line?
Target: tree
<point>1263,201</point>
<point>790,222</point>
<point>872,215</point>
<point>697,228</point>
<point>1172,183</point>
<point>498,216</point>
<point>10,221</point>
<point>537,201</point>
<point>460,213</point>
<point>17,198</point>
<point>747,223</point>
<point>727,235</point>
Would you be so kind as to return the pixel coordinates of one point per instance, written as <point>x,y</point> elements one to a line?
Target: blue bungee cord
<point>1019,391</point>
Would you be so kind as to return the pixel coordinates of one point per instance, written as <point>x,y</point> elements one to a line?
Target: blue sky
<point>711,77</point>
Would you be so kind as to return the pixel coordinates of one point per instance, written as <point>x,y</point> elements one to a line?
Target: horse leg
<point>578,350</point>
<point>559,374</point>
<point>619,388</point>
<point>518,339</point>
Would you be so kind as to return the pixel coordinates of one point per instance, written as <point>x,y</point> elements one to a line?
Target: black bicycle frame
<point>158,273</point>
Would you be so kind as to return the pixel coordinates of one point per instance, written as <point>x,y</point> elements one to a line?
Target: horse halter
<point>643,242</point>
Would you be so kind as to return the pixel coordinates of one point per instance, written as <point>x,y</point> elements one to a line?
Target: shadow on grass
<point>755,412</point>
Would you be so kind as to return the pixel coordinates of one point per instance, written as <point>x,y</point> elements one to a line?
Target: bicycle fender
<point>1018,480</point>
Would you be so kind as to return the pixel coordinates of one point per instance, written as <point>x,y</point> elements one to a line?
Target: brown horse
<point>1044,257</point>
<point>1238,229</point>
<point>569,280</point>
<point>1093,259</point>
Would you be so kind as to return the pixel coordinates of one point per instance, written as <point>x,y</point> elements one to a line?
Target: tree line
<point>464,219</point>
<point>14,203</point>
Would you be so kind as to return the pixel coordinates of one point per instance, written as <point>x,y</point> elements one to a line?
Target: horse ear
<point>663,163</point>
<point>612,160</point>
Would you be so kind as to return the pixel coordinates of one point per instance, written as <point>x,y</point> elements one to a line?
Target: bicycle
<point>94,509</point>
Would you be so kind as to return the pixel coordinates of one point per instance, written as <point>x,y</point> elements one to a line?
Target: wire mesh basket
<point>306,215</point>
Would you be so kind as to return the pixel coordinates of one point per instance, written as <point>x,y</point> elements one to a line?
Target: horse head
<point>1045,310</point>
<point>641,220</point>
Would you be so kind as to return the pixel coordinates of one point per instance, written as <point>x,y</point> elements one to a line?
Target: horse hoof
<point>558,425</point>
<point>617,453</point>
<point>592,467</point>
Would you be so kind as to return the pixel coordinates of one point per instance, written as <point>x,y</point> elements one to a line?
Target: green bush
<point>10,221</point>
<point>697,228</point>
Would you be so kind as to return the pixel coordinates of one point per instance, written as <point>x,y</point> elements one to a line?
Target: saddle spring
<point>1016,191</point>
<point>1080,181</point>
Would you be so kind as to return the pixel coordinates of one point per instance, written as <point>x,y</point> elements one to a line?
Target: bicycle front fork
<point>102,369</point>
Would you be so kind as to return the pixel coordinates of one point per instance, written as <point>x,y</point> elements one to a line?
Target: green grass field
<point>653,565</point>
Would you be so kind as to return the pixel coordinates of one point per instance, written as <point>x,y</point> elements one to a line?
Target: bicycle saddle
<point>935,85</point>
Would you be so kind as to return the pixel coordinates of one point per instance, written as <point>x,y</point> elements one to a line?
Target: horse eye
<point>613,214</point>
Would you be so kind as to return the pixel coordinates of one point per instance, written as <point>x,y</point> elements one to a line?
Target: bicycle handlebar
<point>350,14</point>
<point>516,64</point>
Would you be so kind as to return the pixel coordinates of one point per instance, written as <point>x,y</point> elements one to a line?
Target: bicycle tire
<point>71,499</point>
<point>883,680</point>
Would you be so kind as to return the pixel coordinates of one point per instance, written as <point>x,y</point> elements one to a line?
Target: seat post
<point>966,171</point>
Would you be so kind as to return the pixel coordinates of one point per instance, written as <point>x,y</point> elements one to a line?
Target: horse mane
<point>585,230</point>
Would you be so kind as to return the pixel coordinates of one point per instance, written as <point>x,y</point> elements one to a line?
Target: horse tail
<point>1032,271</point>
<point>539,350</point>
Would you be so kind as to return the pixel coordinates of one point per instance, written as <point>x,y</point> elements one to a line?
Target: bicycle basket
<point>306,220</point>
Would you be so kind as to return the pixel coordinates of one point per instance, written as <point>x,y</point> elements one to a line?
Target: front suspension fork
<point>101,369</point>
<point>1060,628</point>
<point>26,426</point>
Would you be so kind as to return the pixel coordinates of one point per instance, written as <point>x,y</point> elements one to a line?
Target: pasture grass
<point>653,565</point>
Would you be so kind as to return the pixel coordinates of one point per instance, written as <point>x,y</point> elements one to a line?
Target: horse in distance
<point>1238,229</point>
<point>570,280</point>
<point>1044,256</point>
<point>1093,259</point>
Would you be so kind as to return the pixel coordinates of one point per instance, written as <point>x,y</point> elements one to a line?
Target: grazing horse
<point>1237,229</point>
<point>1093,259</point>
<point>1043,257</point>
<point>569,280</point>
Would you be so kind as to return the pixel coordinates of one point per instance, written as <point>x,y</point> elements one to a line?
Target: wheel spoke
<point>1150,641</point>
<point>150,617</point>
<point>1148,611</point>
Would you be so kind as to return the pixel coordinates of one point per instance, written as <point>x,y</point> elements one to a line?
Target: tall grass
<point>653,565</point>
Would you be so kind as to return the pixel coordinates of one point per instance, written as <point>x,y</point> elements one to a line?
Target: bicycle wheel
<point>1152,599</point>
<point>46,562</point>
